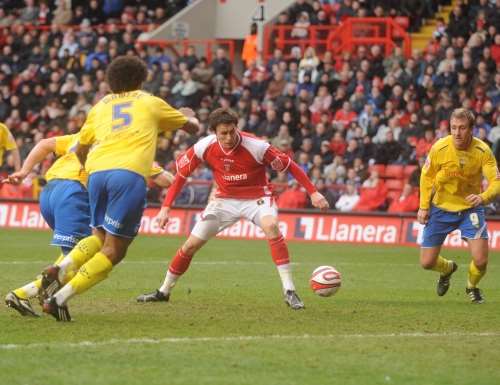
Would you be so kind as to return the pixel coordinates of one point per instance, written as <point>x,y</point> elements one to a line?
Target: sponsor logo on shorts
<point>235,178</point>
<point>65,238</point>
<point>113,222</point>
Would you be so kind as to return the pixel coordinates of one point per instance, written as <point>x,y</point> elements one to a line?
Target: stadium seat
<point>409,170</point>
<point>394,184</point>
<point>393,194</point>
<point>380,168</point>
<point>394,171</point>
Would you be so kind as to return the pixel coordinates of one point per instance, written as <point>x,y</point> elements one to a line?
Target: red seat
<point>394,184</point>
<point>380,168</point>
<point>409,170</point>
<point>393,195</point>
<point>394,171</point>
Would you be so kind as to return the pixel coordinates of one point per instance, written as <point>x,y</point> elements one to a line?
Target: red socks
<point>279,250</point>
<point>180,263</point>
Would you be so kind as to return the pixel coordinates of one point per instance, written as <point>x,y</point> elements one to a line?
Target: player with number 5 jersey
<point>122,129</point>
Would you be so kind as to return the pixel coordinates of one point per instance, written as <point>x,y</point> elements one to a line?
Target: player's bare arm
<point>36,155</point>
<point>192,126</point>
<point>163,179</point>
<point>82,151</point>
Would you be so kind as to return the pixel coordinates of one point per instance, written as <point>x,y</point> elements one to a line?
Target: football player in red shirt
<point>238,161</point>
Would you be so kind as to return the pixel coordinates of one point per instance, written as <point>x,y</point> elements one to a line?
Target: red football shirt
<point>240,173</point>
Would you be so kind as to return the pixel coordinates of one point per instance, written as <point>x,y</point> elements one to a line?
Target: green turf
<point>385,325</point>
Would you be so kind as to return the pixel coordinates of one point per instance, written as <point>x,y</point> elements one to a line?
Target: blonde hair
<point>464,113</point>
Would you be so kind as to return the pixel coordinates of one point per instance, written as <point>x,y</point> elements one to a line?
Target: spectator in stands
<point>373,194</point>
<point>222,71</point>
<point>309,65</point>
<point>407,202</point>
<point>388,151</point>
<point>348,199</point>
<point>344,116</point>
<point>301,26</point>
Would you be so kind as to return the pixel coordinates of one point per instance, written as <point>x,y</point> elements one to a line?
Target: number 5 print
<point>119,113</point>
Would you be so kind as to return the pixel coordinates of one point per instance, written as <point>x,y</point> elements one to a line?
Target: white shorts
<point>223,212</point>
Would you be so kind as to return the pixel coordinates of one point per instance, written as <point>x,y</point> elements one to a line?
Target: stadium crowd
<point>338,116</point>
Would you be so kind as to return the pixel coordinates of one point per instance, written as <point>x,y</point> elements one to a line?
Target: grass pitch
<point>227,324</point>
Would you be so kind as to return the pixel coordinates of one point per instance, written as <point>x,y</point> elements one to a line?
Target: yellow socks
<point>475,275</point>
<point>443,266</point>
<point>29,290</point>
<point>81,253</point>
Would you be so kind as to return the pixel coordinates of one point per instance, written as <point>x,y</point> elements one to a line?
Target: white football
<point>325,281</point>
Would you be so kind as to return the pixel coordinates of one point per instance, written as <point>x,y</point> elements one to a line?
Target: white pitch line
<point>165,262</point>
<point>182,340</point>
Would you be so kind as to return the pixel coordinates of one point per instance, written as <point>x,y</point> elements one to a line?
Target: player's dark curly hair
<point>465,114</point>
<point>126,73</point>
<point>222,116</point>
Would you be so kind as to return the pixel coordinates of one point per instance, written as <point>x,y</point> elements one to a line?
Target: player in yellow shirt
<point>122,128</point>
<point>65,207</point>
<point>7,143</point>
<point>451,198</point>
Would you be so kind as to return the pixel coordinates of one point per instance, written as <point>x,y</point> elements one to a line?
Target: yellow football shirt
<point>124,129</point>
<point>67,166</point>
<point>450,175</point>
<point>7,141</point>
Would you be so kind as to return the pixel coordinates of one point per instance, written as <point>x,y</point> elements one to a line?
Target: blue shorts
<point>117,200</point>
<point>64,205</point>
<point>471,223</point>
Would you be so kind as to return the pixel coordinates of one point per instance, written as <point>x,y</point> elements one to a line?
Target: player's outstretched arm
<point>36,155</point>
<point>82,151</point>
<point>163,179</point>
<point>192,126</point>
<point>317,199</point>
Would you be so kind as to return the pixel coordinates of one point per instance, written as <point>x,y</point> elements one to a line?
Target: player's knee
<point>481,263</point>
<point>190,247</point>
<point>271,228</point>
<point>115,255</point>
<point>427,264</point>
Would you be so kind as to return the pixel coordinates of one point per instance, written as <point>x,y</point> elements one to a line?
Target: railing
<point>368,31</point>
<point>347,36</point>
<point>180,47</point>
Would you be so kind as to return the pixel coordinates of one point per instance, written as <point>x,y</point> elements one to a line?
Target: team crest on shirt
<point>227,164</point>
<point>461,162</point>
<point>183,161</point>
<point>277,164</point>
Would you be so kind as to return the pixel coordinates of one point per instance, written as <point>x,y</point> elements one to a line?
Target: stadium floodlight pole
<point>259,18</point>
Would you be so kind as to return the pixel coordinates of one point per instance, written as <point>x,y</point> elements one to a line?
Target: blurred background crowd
<point>360,124</point>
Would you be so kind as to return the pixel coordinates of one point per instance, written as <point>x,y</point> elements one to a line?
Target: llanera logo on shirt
<point>235,178</point>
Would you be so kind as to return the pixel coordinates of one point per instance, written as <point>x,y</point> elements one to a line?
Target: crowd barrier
<point>382,229</point>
